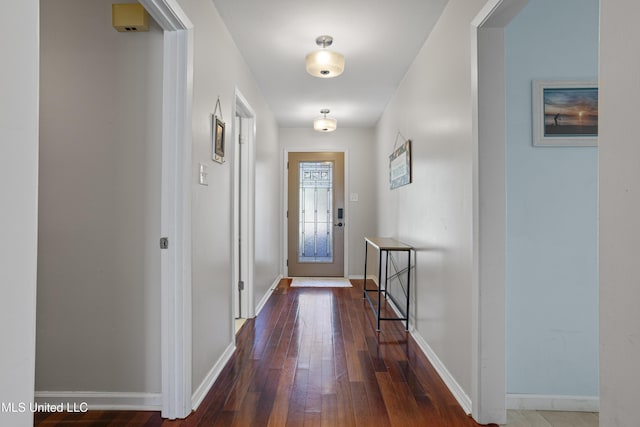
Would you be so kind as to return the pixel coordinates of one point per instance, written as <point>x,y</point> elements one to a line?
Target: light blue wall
<point>552,202</point>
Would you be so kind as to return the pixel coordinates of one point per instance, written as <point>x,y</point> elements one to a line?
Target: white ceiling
<point>379,39</point>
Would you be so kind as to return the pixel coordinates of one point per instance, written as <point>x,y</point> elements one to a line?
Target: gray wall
<point>99,319</point>
<point>18,214</point>
<point>619,214</point>
<point>360,215</point>
<point>98,258</point>
<point>99,269</point>
<point>432,107</point>
<point>212,205</point>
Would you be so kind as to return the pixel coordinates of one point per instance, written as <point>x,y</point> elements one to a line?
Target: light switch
<point>353,197</point>
<point>203,180</point>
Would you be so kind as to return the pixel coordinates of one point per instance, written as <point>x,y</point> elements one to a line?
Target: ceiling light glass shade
<point>325,124</point>
<point>325,64</point>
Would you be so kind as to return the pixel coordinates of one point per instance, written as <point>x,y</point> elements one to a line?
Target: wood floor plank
<point>278,415</point>
<point>247,414</point>
<point>329,413</point>
<point>401,409</point>
<point>363,415</point>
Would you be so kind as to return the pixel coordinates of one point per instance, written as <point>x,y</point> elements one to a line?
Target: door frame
<point>285,197</point>
<point>175,209</point>
<point>488,389</point>
<point>243,109</point>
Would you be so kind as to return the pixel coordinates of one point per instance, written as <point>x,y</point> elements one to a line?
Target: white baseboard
<point>458,392</point>
<point>96,400</point>
<point>536,402</point>
<point>266,296</point>
<point>206,384</point>
<point>360,276</point>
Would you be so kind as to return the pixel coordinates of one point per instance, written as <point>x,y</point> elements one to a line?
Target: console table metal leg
<point>364,283</point>
<point>408,285</point>
<point>379,288</point>
<point>386,274</point>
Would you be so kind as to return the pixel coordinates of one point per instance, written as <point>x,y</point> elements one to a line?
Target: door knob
<point>338,224</point>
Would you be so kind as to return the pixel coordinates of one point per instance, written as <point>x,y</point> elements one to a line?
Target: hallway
<point>312,357</point>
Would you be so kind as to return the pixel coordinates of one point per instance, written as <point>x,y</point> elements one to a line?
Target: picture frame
<point>400,166</point>
<point>565,113</point>
<point>217,138</point>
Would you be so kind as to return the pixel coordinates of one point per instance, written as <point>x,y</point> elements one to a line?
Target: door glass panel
<point>316,212</point>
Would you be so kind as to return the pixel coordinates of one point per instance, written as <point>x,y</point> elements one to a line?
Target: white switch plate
<point>203,180</point>
<point>353,197</point>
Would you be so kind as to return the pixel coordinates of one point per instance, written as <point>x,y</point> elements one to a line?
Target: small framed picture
<point>217,137</point>
<point>565,113</point>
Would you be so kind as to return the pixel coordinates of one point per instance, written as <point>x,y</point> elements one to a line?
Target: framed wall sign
<point>565,113</point>
<point>400,166</point>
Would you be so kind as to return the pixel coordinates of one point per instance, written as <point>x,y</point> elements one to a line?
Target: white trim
<point>104,401</point>
<point>540,402</point>
<point>211,377</point>
<point>361,276</point>
<point>175,305</point>
<point>458,392</point>
<point>285,183</point>
<point>236,257</point>
<point>243,109</point>
<point>267,294</point>
<point>488,364</point>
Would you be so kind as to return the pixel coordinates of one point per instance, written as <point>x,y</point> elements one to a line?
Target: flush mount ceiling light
<point>324,63</point>
<point>325,124</point>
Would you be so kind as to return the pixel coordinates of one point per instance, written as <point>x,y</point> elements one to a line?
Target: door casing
<point>244,197</point>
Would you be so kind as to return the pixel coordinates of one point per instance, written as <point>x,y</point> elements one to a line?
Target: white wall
<point>268,202</point>
<point>432,107</point>
<point>619,214</point>
<point>552,206</point>
<point>360,216</point>
<point>218,70</point>
<point>18,214</point>
<point>98,260</point>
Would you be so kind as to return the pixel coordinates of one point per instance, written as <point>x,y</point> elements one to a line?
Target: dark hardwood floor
<point>312,358</point>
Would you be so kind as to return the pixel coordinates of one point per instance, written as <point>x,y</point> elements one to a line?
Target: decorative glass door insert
<point>315,215</point>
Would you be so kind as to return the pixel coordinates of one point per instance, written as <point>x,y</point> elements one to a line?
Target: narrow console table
<point>386,245</point>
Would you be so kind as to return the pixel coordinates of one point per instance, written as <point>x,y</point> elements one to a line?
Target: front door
<point>316,215</point>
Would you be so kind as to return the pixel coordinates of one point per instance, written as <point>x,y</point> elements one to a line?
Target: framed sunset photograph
<point>565,113</point>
